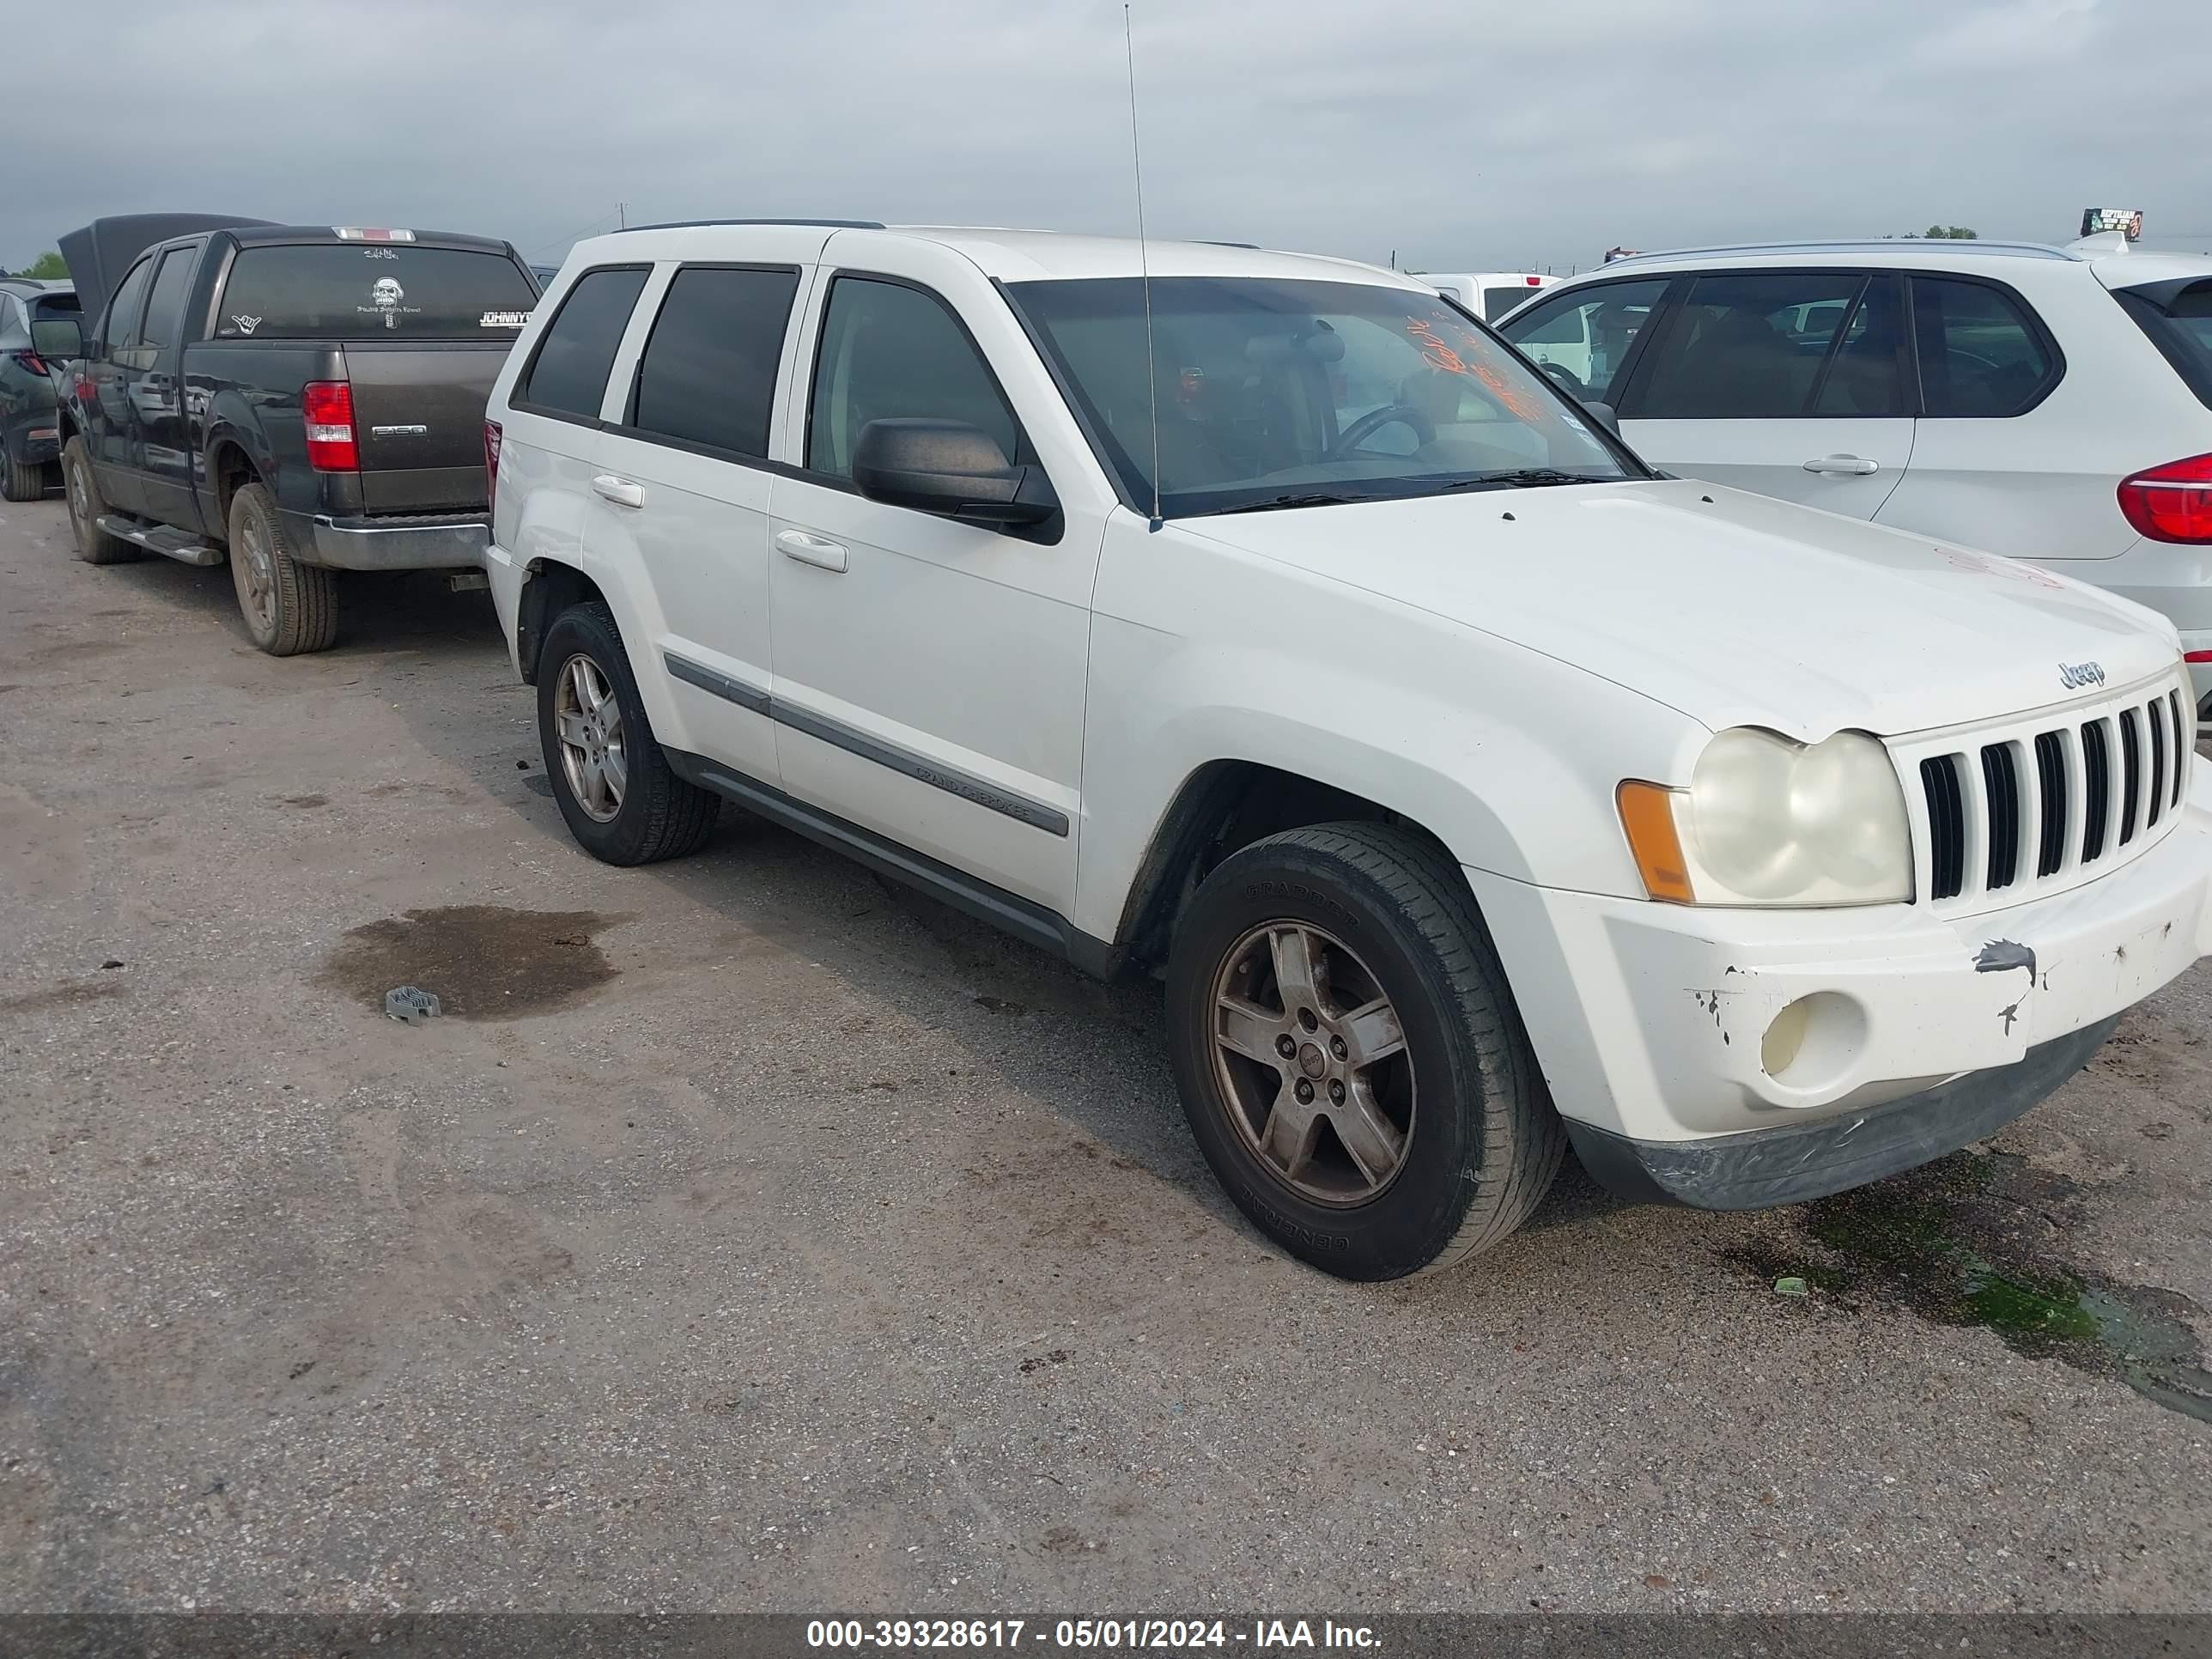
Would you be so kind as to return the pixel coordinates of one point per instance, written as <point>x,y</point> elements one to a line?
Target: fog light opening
<point>1786,1038</point>
<point>1814,1043</point>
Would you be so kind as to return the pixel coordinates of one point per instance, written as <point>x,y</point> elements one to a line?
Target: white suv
<point>2050,404</point>
<point>1274,626</point>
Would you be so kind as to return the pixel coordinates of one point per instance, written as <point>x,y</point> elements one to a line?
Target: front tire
<point>93,544</point>
<point>289,607</point>
<point>622,802</point>
<point>1350,1056</point>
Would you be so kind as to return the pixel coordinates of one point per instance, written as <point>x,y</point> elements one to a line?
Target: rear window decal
<point>503,319</point>
<point>385,297</point>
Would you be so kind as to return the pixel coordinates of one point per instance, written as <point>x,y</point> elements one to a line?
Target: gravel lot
<point>752,1236</point>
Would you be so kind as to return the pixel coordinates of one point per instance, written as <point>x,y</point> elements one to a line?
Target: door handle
<point>1851,465</point>
<point>810,550</point>
<point>621,491</point>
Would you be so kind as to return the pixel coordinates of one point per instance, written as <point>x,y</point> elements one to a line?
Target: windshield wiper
<point>1520,477</point>
<point>1306,499</point>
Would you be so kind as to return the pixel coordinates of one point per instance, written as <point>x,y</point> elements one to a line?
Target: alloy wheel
<point>587,719</point>
<point>1311,1064</point>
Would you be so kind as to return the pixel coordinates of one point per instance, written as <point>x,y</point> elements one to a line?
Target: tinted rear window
<point>570,374</point>
<point>708,374</point>
<point>378,291</point>
<point>1980,355</point>
<point>56,305</point>
<point>2180,323</point>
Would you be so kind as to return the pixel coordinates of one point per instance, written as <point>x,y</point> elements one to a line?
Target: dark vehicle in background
<point>38,331</point>
<point>298,400</point>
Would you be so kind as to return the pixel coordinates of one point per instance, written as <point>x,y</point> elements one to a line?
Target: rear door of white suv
<point>682,470</point>
<point>1789,381</point>
<point>2021,444</point>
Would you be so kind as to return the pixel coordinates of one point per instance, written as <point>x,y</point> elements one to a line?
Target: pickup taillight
<point>30,362</point>
<point>491,469</point>
<point>326,410</point>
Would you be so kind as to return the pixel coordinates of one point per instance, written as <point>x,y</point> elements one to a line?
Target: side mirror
<point>1603,415</point>
<point>60,339</point>
<point>950,469</point>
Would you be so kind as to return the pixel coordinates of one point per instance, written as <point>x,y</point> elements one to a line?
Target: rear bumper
<point>442,543</point>
<point>35,440</point>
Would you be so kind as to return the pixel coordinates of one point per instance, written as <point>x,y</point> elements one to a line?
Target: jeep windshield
<point>1276,392</point>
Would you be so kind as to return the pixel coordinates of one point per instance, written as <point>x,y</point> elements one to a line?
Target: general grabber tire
<point>93,544</point>
<point>622,801</point>
<point>1349,1054</point>
<point>290,608</point>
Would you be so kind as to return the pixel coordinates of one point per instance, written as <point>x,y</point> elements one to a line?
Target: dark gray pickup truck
<point>296,400</point>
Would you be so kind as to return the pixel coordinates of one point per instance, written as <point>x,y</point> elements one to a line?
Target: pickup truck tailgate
<point>418,413</point>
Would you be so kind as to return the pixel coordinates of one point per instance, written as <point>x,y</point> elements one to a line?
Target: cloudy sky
<point>1487,134</point>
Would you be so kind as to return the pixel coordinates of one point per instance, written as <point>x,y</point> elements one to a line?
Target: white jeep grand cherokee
<point>1478,790</point>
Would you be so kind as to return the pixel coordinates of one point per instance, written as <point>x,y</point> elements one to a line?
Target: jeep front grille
<point>2053,802</point>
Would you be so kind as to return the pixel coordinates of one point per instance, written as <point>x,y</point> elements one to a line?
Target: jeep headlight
<point>1767,821</point>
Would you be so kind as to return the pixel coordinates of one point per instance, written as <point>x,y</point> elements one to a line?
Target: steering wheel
<point>1425,430</point>
<point>1567,377</point>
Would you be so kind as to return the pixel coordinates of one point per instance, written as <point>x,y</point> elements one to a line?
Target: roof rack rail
<point>1846,245</point>
<point>709,224</point>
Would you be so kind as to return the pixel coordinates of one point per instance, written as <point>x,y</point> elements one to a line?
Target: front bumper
<point>425,543</point>
<point>1651,1020</point>
<point>1794,1162</point>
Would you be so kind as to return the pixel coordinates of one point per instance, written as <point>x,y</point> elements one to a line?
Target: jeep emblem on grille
<point>2071,674</point>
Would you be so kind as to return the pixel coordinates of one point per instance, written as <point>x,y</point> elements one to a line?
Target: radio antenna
<point>1144,260</point>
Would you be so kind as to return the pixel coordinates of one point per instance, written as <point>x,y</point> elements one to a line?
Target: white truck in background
<point>1488,294</point>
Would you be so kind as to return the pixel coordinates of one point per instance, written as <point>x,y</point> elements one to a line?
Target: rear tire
<point>290,608</point>
<point>93,544</point>
<point>22,481</point>
<point>1335,942</point>
<point>622,802</point>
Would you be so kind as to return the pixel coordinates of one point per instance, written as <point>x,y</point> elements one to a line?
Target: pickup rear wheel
<point>1349,1054</point>
<point>622,802</point>
<point>93,544</point>
<point>289,607</point>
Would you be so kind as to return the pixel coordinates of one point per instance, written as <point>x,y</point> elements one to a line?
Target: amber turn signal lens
<point>1647,815</point>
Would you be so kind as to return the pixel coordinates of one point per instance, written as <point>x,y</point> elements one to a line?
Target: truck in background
<point>1488,294</point>
<point>293,400</point>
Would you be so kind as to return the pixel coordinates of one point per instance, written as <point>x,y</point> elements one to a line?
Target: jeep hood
<point>1737,609</point>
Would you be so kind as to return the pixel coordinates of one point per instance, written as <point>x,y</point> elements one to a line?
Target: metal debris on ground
<point>1789,1287</point>
<point>411,1004</point>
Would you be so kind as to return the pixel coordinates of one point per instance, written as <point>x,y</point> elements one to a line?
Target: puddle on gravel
<point>1968,1241</point>
<point>483,961</point>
